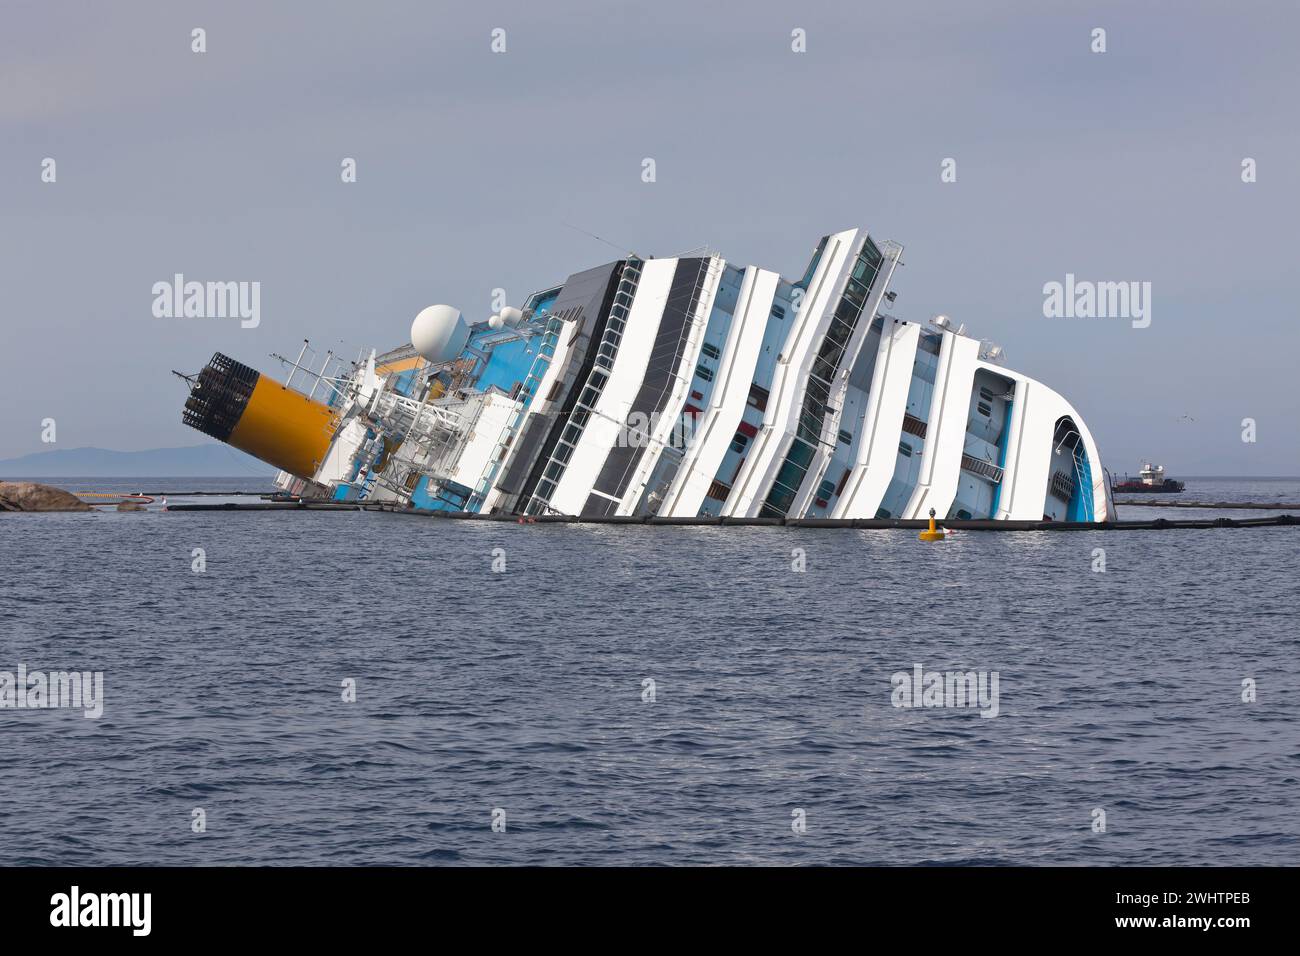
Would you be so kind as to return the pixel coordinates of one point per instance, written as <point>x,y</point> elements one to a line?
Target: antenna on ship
<point>619,247</point>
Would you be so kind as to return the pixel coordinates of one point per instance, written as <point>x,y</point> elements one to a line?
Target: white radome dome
<point>439,333</point>
<point>496,322</point>
<point>511,316</point>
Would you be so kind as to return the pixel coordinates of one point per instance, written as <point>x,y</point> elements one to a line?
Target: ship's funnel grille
<point>219,397</point>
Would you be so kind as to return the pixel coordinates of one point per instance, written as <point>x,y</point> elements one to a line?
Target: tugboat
<point>1150,480</point>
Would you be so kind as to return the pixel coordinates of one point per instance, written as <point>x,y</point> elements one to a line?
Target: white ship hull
<point>689,386</point>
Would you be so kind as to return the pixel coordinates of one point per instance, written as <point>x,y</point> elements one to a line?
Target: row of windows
<point>709,351</point>
<point>758,394</point>
<point>788,480</point>
<point>818,387</point>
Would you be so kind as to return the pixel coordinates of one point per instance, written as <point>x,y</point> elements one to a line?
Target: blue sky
<point>225,166</point>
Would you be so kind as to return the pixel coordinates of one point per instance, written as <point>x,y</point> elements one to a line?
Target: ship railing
<point>978,466</point>
<point>336,384</point>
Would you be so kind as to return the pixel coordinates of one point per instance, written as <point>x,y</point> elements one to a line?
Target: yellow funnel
<point>240,406</point>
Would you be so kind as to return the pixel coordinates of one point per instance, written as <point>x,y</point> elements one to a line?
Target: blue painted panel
<point>455,500</point>
<point>404,383</point>
<point>1002,457</point>
<point>507,364</point>
<point>1083,486</point>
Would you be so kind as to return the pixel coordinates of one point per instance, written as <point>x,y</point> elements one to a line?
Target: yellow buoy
<point>933,534</point>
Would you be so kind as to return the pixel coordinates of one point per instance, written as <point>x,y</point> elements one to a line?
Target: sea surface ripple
<point>523,690</point>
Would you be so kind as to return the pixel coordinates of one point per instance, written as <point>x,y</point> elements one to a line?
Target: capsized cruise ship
<point>675,387</point>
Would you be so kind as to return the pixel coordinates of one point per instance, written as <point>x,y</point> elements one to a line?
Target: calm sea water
<point>524,690</point>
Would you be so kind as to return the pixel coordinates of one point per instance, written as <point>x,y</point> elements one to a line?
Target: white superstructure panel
<point>1028,467</point>
<point>785,399</point>
<point>882,424</point>
<point>670,418</point>
<point>730,395</point>
<point>481,440</point>
<point>340,462</point>
<point>945,438</point>
<point>836,407</point>
<point>610,415</point>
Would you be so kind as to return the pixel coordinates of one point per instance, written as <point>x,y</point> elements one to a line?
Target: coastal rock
<point>30,496</point>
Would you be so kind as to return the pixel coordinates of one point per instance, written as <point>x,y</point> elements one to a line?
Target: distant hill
<point>193,461</point>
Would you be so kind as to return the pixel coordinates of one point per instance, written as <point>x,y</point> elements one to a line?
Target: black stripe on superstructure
<point>665,357</point>
<point>592,292</point>
<point>219,396</point>
<point>573,308</point>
